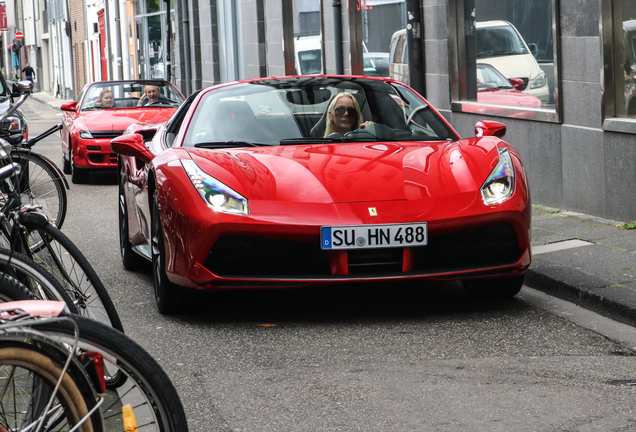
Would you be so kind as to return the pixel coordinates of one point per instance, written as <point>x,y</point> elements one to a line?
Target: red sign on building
<point>4,26</point>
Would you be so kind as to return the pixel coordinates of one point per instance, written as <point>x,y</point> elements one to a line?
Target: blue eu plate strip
<point>326,237</point>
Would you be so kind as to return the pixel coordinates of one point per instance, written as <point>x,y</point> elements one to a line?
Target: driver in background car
<point>151,94</point>
<point>344,115</point>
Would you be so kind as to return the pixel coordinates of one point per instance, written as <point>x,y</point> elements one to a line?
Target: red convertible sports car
<point>298,181</point>
<point>103,111</point>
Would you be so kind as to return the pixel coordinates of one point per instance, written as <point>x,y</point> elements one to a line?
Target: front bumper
<point>94,154</point>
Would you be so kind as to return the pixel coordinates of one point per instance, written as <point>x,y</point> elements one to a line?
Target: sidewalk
<point>46,98</point>
<point>583,259</point>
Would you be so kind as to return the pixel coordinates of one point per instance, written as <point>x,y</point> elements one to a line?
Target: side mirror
<point>69,106</point>
<point>534,50</point>
<point>516,83</point>
<point>490,128</point>
<point>21,87</point>
<point>132,145</point>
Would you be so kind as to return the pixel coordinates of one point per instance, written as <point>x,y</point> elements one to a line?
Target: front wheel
<point>167,294</point>
<point>503,287</point>
<point>130,259</point>
<point>78,175</point>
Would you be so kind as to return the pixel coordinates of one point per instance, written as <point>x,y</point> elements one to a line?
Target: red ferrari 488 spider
<point>299,181</point>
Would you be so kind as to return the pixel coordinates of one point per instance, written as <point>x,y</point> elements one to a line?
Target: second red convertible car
<point>298,181</point>
<point>103,111</point>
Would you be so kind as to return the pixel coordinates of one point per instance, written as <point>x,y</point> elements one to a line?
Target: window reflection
<point>499,44</point>
<point>516,39</point>
<point>626,100</point>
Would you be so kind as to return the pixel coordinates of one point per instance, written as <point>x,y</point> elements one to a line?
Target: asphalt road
<point>382,357</point>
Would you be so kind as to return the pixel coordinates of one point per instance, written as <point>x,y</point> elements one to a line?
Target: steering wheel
<point>415,111</point>
<point>154,102</point>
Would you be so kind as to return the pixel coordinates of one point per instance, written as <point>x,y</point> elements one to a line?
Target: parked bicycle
<point>41,182</point>
<point>31,234</point>
<point>144,399</point>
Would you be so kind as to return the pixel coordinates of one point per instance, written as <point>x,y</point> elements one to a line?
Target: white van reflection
<point>498,43</point>
<point>309,58</point>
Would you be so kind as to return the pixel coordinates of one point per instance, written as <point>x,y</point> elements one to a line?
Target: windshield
<point>130,94</point>
<point>498,41</point>
<point>295,110</point>
<point>489,78</point>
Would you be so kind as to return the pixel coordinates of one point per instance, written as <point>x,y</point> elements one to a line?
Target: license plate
<point>373,236</point>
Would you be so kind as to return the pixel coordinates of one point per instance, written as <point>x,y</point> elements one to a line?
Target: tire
<point>157,402</point>
<point>60,257</point>
<point>78,175</point>
<point>34,372</point>
<point>39,283</point>
<point>130,259</point>
<point>502,287</point>
<point>168,296</point>
<point>41,184</point>
<point>66,164</point>
<point>12,290</point>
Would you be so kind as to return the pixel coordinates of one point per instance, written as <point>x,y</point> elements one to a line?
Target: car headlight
<point>538,81</point>
<point>500,184</point>
<point>12,124</point>
<point>216,195</point>
<point>86,135</point>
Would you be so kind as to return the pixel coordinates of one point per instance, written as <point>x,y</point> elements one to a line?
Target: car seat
<point>234,120</point>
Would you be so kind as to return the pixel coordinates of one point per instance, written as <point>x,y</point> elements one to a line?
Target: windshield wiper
<point>491,53</point>
<point>228,144</point>
<point>309,140</point>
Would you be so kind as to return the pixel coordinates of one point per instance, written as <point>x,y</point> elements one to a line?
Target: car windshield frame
<point>127,95</point>
<point>290,111</point>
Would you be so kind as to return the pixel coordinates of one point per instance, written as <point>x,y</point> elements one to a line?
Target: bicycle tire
<point>40,183</point>
<point>42,373</point>
<point>12,289</point>
<point>40,283</point>
<point>158,406</point>
<point>54,251</point>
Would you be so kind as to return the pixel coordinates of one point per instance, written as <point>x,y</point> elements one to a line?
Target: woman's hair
<point>329,124</point>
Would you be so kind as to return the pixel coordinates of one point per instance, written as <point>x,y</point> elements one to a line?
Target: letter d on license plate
<point>373,236</point>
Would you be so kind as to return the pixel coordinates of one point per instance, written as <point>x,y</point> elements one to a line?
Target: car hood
<point>514,66</point>
<point>120,119</point>
<point>508,97</point>
<point>351,172</point>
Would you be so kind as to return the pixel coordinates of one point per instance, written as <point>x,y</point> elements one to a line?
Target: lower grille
<point>240,256</point>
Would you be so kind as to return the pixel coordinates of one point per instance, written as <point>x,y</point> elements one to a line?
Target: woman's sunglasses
<point>350,110</point>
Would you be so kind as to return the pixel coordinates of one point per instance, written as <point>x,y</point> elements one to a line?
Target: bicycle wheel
<point>40,183</point>
<point>39,283</point>
<point>28,376</point>
<point>60,257</point>
<point>155,401</point>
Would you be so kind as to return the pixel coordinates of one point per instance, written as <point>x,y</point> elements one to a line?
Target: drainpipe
<point>414,38</point>
<point>186,45</point>
<point>337,36</point>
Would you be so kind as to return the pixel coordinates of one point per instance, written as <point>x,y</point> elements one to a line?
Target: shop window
<point>619,56</point>
<point>504,58</point>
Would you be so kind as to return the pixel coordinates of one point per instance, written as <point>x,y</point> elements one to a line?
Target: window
<point>517,39</point>
<point>619,56</point>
